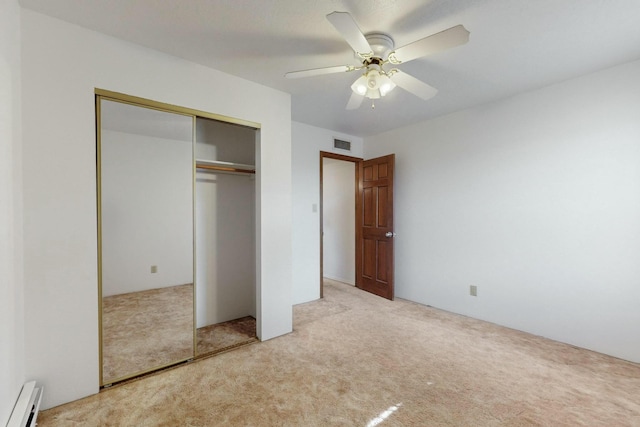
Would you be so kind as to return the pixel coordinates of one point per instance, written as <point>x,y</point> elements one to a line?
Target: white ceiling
<point>514,46</point>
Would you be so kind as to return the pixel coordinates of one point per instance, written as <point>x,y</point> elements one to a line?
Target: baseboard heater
<point>25,412</point>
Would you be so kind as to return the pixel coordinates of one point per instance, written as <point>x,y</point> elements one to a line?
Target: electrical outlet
<point>154,268</point>
<point>473,290</point>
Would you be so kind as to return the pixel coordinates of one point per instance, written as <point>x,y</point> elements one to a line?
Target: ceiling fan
<point>376,50</point>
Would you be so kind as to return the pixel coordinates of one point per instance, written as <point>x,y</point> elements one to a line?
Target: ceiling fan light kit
<point>376,50</point>
<point>373,84</point>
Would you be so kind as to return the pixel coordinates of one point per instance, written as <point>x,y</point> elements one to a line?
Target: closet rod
<point>223,168</point>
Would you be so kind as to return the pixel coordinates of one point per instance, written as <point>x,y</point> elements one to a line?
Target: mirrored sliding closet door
<point>145,181</point>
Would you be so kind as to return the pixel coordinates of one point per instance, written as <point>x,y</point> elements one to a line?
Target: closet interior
<point>176,235</point>
<point>225,231</point>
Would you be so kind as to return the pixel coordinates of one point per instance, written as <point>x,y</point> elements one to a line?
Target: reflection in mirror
<point>225,236</point>
<point>146,191</point>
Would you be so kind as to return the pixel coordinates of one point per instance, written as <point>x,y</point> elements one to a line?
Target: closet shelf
<point>224,166</point>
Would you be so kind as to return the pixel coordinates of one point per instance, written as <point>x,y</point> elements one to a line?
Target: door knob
<point>390,234</point>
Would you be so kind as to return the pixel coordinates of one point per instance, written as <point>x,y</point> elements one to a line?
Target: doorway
<point>338,195</point>
<point>373,223</point>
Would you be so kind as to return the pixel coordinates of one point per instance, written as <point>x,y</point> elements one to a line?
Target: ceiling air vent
<point>341,144</point>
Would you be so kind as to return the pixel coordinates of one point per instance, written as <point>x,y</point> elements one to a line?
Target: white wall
<point>225,142</point>
<point>225,230</point>
<point>11,279</point>
<point>147,211</point>
<point>535,200</point>
<point>61,66</point>
<point>308,141</point>
<point>225,261</point>
<point>339,220</point>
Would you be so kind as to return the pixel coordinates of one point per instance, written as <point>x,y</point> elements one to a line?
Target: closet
<point>225,231</point>
<point>176,234</point>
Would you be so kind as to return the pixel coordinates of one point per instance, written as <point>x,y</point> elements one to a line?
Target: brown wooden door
<point>374,226</point>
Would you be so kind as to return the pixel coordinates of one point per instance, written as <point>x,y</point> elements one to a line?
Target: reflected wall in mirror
<point>225,236</point>
<point>146,215</point>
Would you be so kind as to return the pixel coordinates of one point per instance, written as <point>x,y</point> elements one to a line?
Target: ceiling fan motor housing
<point>381,44</point>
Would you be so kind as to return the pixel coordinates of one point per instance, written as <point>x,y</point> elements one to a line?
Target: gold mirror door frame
<point>146,238</point>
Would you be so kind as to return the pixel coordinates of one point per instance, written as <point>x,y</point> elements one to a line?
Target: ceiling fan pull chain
<point>373,105</point>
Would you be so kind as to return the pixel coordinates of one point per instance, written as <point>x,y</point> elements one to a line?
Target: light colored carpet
<point>355,359</point>
<point>145,330</point>
<point>226,335</point>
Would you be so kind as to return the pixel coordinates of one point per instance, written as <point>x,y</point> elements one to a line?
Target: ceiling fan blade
<point>347,27</point>
<point>452,37</point>
<point>414,86</point>
<point>319,71</point>
<point>355,101</point>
